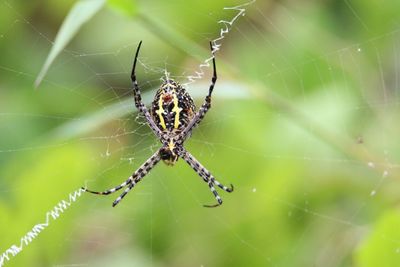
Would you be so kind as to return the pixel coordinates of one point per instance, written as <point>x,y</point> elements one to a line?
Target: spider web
<point>312,154</point>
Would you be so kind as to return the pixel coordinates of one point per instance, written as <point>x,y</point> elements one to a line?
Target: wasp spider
<point>172,118</point>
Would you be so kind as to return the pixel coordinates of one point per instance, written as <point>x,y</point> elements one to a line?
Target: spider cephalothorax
<point>169,154</point>
<point>172,118</point>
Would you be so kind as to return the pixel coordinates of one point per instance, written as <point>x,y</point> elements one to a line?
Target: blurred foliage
<point>304,123</point>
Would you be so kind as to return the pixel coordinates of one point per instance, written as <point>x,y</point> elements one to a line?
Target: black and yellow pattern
<point>172,107</point>
<point>172,118</point>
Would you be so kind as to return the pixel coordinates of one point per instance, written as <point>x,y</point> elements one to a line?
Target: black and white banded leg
<point>132,180</point>
<point>206,175</point>
<point>138,99</point>
<point>198,117</point>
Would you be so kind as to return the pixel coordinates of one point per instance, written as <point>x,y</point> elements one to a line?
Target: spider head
<point>169,86</point>
<point>168,154</point>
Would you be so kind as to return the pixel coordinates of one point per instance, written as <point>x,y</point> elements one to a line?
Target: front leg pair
<point>198,117</point>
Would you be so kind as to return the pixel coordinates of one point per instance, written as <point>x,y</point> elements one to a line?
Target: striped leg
<point>198,117</point>
<point>131,185</point>
<point>209,177</point>
<point>112,190</point>
<point>206,175</point>
<point>217,197</point>
<point>203,172</point>
<point>132,180</point>
<point>223,187</point>
<point>138,98</point>
<point>139,174</point>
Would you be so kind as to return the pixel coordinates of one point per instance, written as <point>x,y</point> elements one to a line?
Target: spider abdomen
<point>172,107</point>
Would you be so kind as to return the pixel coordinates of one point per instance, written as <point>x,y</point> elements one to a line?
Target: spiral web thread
<point>51,215</point>
<point>216,43</point>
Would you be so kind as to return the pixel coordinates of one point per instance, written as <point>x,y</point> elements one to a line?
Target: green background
<point>304,123</point>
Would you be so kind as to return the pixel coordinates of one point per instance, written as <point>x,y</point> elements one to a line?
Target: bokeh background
<point>305,124</point>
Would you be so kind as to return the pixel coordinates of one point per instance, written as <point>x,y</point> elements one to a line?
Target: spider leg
<point>223,187</point>
<point>209,177</point>
<point>203,172</point>
<point>198,117</point>
<point>132,180</point>
<point>138,98</point>
<point>131,185</point>
<point>214,77</point>
<point>217,197</point>
<point>142,171</point>
<point>112,190</point>
<point>206,175</point>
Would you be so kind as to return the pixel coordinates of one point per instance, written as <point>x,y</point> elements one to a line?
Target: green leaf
<point>80,13</point>
<point>125,7</point>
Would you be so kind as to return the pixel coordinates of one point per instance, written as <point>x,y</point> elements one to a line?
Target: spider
<point>172,118</point>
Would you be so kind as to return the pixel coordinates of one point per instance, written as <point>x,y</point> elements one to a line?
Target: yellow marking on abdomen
<point>177,111</point>
<point>160,111</point>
